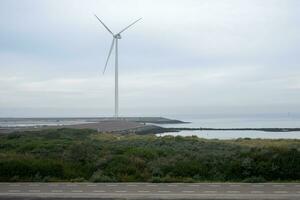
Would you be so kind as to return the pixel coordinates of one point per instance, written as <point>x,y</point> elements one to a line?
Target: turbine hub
<point>117,36</point>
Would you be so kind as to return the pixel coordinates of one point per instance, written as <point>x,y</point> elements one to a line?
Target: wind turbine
<point>114,43</point>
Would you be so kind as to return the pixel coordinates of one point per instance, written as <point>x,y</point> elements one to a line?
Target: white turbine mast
<point>114,43</point>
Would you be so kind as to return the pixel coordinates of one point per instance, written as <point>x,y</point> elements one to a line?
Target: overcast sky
<point>183,57</point>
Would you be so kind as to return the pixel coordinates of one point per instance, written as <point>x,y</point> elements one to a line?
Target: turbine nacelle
<point>117,36</point>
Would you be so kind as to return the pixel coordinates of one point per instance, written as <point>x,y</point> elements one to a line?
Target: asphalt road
<point>150,190</point>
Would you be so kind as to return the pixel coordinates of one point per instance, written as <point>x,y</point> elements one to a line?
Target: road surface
<point>150,190</point>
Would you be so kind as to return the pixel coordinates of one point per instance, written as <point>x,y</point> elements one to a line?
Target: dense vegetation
<point>85,155</point>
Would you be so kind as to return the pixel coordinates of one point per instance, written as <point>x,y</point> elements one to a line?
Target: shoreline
<point>233,129</point>
<point>121,125</point>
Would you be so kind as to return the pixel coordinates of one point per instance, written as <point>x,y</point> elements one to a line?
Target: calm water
<point>238,123</point>
<point>39,122</point>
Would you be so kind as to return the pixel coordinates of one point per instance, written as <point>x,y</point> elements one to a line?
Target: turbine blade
<point>110,50</point>
<point>104,25</point>
<point>129,25</point>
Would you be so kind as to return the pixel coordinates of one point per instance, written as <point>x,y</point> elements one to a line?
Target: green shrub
<point>98,176</point>
<point>80,155</point>
<point>254,179</point>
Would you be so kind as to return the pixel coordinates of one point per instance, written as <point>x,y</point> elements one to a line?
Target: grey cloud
<point>184,56</point>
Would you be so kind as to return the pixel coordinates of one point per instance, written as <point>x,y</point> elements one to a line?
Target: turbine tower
<point>114,43</point>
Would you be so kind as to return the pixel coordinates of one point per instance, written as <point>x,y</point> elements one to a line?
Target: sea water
<point>237,122</point>
<point>27,122</point>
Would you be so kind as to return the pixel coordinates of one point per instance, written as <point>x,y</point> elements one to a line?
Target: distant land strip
<point>232,129</point>
<point>123,125</point>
